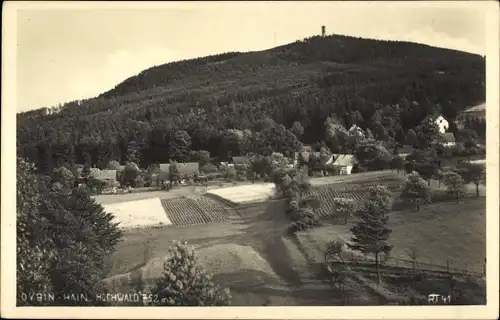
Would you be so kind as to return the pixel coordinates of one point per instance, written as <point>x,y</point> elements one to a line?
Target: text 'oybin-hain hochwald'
<point>79,297</point>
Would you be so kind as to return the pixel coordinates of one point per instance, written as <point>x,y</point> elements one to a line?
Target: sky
<point>79,52</point>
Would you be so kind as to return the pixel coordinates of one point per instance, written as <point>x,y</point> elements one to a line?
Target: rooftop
<point>480,107</point>
<point>345,160</point>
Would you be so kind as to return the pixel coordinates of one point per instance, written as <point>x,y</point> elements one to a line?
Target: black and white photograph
<point>250,154</point>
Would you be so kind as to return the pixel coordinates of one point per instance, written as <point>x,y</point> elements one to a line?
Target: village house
<point>439,120</point>
<point>447,140</point>
<point>315,161</point>
<point>332,158</point>
<point>342,163</point>
<point>476,112</point>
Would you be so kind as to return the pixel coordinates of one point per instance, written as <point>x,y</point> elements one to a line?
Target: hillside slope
<point>267,91</point>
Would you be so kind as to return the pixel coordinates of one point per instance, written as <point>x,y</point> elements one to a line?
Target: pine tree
<point>185,283</point>
<point>86,174</point>
<point>63,239</point>
<point>370,233</point>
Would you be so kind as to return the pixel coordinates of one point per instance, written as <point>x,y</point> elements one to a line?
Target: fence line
<point>417,265</point>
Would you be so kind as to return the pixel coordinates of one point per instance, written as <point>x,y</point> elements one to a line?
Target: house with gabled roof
<point>342,163</point>
<point>438,120</point>
<point>475,112</point>
<point>478,111</point>
<point>332,158</point>
<point>316,161</point>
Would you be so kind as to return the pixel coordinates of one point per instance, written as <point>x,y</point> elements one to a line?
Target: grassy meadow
<point>251,253</point>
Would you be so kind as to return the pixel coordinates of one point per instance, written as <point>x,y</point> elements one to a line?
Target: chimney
<point>323,31</point>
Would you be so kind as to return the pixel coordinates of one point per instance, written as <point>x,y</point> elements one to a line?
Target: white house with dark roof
<point>439,120</point>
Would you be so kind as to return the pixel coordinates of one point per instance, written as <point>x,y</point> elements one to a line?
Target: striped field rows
<point>194,210</point>
<point>356,191</point>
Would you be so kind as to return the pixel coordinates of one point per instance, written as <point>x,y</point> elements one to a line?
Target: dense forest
<point>274,100</point>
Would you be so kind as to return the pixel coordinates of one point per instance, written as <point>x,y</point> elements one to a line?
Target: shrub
<point>209,168</point>
<point>139,182</point>
<point>397,163</point>
<point>303,219</point>
<point>334,249</point>
<point>95,186</point>
<point>113,165</point>
<point>212,176</point>
<point>229,173</point>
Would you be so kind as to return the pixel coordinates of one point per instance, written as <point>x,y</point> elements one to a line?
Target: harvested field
<point>194,210</point>
<point>140,213</point>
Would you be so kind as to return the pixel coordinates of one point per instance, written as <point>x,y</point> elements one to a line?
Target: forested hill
<point>236,103</point>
